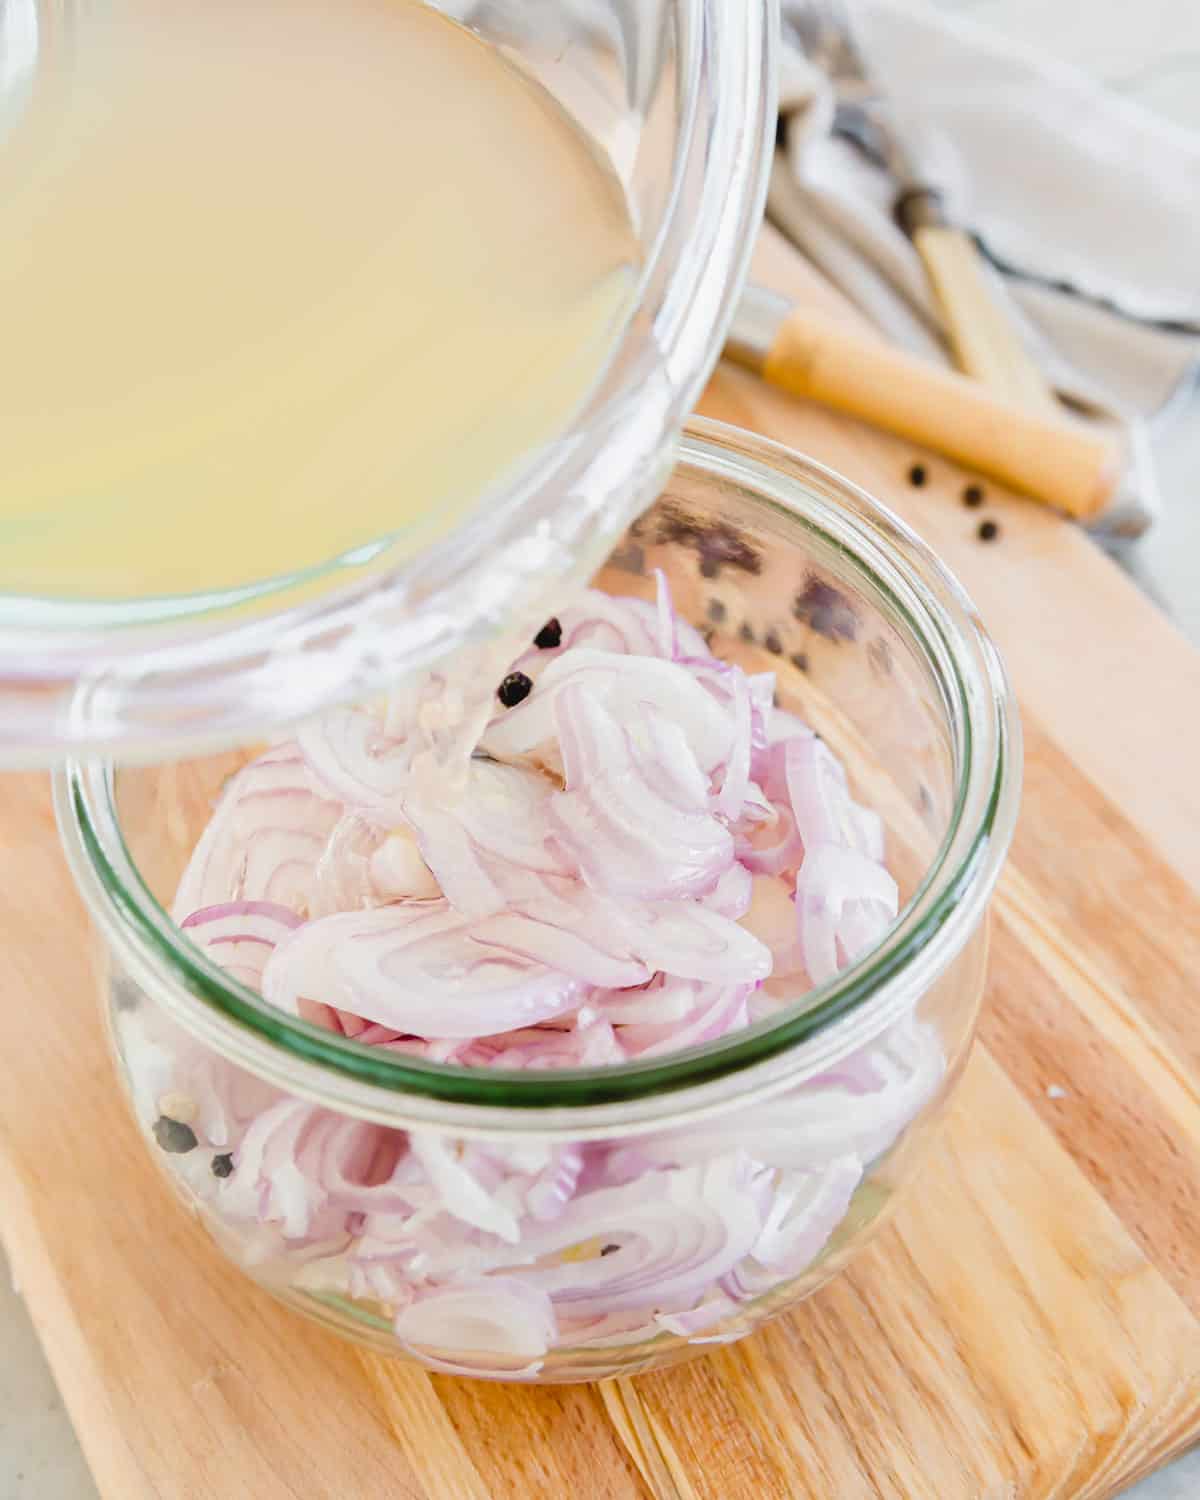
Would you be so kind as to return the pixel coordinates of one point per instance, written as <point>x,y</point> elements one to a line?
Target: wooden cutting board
<point>1027,1326</point>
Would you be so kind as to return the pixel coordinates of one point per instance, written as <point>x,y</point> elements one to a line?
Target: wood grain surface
<point>1028,1324</point>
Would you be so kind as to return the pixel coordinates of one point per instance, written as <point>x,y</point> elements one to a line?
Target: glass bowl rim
<point>847,1011</point>
<point>83,681</point>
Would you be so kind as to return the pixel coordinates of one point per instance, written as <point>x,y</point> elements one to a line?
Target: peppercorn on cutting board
<point>1028,1324</point>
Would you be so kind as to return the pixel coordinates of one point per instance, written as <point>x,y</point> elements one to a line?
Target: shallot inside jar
<point>560,1022</point>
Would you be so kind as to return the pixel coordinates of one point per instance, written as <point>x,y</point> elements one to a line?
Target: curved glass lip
<point>186,673</point>
<point>925,602</point>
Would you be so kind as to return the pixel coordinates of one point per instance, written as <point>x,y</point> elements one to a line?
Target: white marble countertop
<point>1152,54</point>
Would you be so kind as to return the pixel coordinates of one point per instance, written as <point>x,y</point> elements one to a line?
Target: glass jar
<point>676,98</point>
<point>575,1224</point>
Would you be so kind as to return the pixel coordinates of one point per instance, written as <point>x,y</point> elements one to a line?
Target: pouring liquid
<point>278,279</point>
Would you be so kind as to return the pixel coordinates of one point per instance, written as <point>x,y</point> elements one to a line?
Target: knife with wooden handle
<point>1030,448</point>
<point>984,339</point>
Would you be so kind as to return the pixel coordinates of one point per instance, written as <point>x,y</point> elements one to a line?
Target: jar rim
<point>927,603</point>
<point>178,676</point>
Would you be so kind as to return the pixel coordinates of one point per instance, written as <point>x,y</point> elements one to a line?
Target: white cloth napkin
<point>1090,204</point>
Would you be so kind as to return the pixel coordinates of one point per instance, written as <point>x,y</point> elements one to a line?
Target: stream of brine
<point>280,278</point>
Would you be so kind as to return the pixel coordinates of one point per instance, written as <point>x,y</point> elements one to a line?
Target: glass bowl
<point>676,97</point>
<point>765,1159</point>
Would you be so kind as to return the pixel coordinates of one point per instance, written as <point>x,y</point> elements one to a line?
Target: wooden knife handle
<point>1037,452</point>
<point>983,338</point>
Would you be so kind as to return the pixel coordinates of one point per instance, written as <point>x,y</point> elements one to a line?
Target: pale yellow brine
<point>278,278</point>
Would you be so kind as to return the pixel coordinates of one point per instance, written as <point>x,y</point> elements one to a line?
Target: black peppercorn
<point>973,496</point>
<point>174,1135</point>
<point>609,1249</point>
<point>917,475</point>
<point>988,531</point>
<point>515,688</point>
<point>222,1165</point>
<point>549,636</point>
